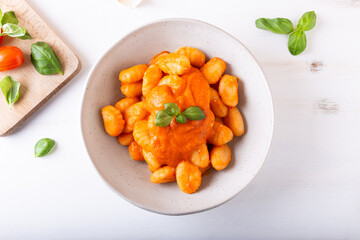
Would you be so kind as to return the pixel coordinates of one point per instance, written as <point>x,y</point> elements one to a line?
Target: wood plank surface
<point>36,89</point>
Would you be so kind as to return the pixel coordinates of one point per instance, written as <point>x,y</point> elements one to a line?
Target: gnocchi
<point>196,57</point>
<point>133,74</point>
<point>151,79</point>
<point>221,134</point>
<point>131,90</point>
<point>155,59</point>
<point>175,82</point>
<point>200,156</point>
<point>113,120</point>
<point>135,151</point>
<point>153,164</point>
<point>220,156</point>
<point>181,151</point>
<point>235,121</point>
<point>163,175</point>
<point>188,177</point>
<point>213,70</point>
<point>141,135</point>
<point>125,139</point>
<point>216,105</point>
<point>125,103</point>
<point>174,63</point>
<point>134,114</point>
<point>228,90</point>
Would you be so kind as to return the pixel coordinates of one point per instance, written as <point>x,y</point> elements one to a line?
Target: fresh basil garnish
<point>194,113</point>
<point>43,147</point>
<point>9,17</point>
<point>297,40</point>
<point>172,109</point>
<point>44,59</point>
<point>307,21</point>
<point>275,25</point>
<point>11,90</point>
<point>181,118</point>
<point>162,119</point>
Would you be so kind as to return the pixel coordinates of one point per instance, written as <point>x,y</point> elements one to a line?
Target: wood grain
<point>36,89</point>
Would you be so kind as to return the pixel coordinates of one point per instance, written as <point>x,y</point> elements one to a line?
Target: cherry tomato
<point>1,38</point>
<point>10,58</point>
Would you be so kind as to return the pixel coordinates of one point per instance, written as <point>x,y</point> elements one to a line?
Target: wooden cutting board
<point>36,89</point>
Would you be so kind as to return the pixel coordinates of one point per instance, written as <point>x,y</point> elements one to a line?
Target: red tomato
<point>10,58</point>
<point>1,38</point>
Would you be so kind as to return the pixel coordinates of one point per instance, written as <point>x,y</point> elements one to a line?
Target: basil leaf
<point>43,147</point>
<point>297,42</point>
<point>162,119</point>
<point>44,59</point>
<point>275,25</point>
<point>9,17</point>
<point>1,16</point>
<point>307,21</point>
<point>194,113</point>
<point>10,88</point>
<point>13,30</point>
<point>181,118</point>
<point>25,37</point>
<point>172,109</point>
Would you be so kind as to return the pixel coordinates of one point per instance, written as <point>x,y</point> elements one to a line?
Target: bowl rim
<point>147,24</point>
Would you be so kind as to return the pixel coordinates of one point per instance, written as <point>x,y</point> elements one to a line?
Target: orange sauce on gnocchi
<point>176,142</point>
<point>177,152</point>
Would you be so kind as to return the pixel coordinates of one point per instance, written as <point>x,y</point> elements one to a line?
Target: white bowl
<point>131,178</point>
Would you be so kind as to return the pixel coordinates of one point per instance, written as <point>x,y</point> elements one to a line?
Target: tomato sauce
<point>176,142</point>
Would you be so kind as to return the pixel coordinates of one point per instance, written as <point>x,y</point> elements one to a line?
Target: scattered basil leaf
<point>10,88</point>
<point>194,113</point>
<point>25,37</point>
<point>172,109</point>
<point>275,25</point>
<point>1,16</point>
<point>307,21</point>
<point>297,42</point>
<point>162,119</point>
<point>9,17</point>
<point>44,59</point>
<point>13,30</point>
<point>181,118</point>
<point>43,147</point>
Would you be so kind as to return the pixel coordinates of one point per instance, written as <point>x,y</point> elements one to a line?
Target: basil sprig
<point>43,147</point>
<point>297,42</point>
<point>164,117</point>
<point>10,27</point>
<point>194,113</point>
<point>172,109</point>
<point>297,39</point>
<point>44,59</point>
<point>307,21</point>
<point>275,25</point>
<point>181,118</point>
<point>11,90</point>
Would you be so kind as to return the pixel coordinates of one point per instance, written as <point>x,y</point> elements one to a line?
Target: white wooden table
<point>309,187</point>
